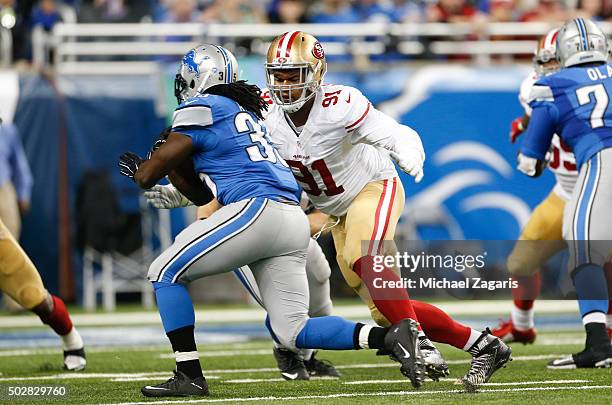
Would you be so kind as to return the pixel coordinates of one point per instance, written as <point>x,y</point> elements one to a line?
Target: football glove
<point>166,197</point>
<point>128,164</point>
<point>532,167</point>
<point>516,128</point>
<point>161,139</point>
<point>411,162</point>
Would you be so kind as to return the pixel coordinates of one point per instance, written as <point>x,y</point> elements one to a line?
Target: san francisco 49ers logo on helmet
<point>300,52</point>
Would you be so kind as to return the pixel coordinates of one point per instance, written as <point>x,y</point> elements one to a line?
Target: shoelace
<point>478,366</point>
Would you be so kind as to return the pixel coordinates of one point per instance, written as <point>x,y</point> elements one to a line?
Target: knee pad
<point>29,296</point>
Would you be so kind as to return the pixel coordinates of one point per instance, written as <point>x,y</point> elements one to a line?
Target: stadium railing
<point>135,48</point>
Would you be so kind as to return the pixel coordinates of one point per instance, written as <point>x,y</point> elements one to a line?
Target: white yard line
<point>212,349</point>
<point>77,376</point>
<point>363,394</point>
<point>129,379</point>
<point>358,311</point>
<point>403,381</point>
<point>226,353</point>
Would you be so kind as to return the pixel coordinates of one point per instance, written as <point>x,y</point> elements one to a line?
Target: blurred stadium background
<point>85,80</point>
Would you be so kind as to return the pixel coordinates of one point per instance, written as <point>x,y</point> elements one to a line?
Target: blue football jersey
<point>575,104</point>
<point>233,151</point>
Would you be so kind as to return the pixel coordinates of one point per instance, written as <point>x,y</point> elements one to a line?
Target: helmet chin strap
<point>297,105</point>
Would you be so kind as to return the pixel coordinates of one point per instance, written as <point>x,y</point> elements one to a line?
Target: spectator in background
<point>333,11</point>
<point>503,11</point>
<point>287,12</point>
<point>592,9</point>
<point>452,11</point>
<point>374,10</point>
<point>46,15</point>
<point>234,12</point>
<point>15,186</point>
<point>408,11</point>
<point>108,11</point>
<point>552,11</point>
<point>181,11</point>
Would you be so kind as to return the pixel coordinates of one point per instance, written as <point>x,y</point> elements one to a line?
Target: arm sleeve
<point>378,129</point>
<point>542,127</point>
<point>21,174</point>
<point>196,122</point>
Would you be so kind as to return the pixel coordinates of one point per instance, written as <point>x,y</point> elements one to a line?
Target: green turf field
<point>246,372</point>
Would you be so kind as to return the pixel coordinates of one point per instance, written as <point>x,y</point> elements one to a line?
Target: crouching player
<point>20,280</point>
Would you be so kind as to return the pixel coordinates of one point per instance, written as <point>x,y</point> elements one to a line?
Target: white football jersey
<point>561,160</point>
<point>327,155</point>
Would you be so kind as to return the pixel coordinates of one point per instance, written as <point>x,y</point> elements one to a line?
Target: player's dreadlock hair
<point>247,95</point>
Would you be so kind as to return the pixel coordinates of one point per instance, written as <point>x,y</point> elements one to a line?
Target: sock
<point>306,354</point>
<point>72,340</point>
<point>440,327</point>
<point>474,336</point>
<point>591,289</point>
<point>58,319</point>
<point>527,291</point>
<point>175,306</point>
<point>393,303</point>
<point>371,337</point>
<point>185,351</point>
<point>597,335</point>
<point>608,273</point>
<point>522,319</point>
<point>328,332</point>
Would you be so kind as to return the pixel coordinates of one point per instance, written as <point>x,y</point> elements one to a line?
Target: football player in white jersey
<point>546,221</point>
<point>341,150</point>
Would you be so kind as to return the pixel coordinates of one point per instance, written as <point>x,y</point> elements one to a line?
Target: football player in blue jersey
<point>574,103</point>
<point>216,132</point>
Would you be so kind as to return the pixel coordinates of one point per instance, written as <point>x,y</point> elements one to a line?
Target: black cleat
<point>401,341</point>
<point>591,357</point>
<point>320,368</point>
<point>489,353</point>
<point>435,365</point>
<point>178,386</point>
<point>290,365</point>
<point>75,360</point>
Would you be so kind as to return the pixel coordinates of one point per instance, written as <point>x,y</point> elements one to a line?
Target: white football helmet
<point>202,67</point>
<point>545,55</point>
<point>581,41</point>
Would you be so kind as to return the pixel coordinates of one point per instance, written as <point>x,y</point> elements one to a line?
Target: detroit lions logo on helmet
<point>190,62</point>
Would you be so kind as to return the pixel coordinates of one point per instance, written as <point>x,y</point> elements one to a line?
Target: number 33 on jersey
<point>234,154</point>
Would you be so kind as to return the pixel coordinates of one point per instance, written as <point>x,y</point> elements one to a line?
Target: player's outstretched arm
<point>402,142</point>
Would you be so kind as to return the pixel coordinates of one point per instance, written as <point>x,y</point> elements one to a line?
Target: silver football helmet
<point>581,41</point>
<point>202,67</point>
